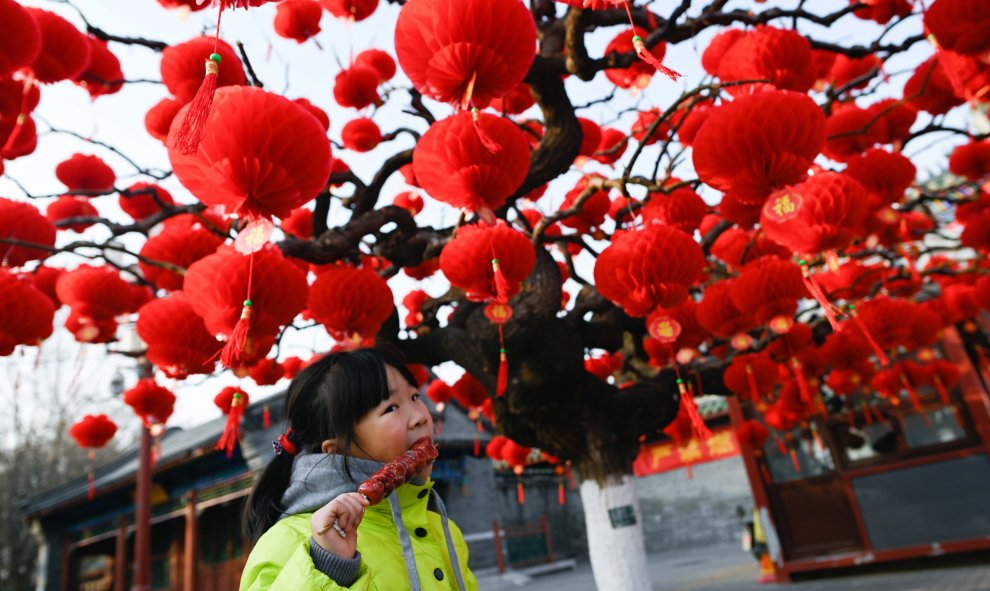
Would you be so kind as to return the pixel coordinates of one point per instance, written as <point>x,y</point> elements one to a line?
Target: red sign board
<point>666,456</point>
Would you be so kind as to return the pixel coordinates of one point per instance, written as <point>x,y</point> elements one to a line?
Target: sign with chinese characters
<point>666,455</point>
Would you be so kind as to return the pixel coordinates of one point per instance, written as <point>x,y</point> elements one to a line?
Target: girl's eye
<point>416,396</point>
<point>391,407</point>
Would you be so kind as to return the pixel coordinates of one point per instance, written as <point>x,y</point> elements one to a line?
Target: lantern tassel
<point>228,440</point>
<point>520,493</point>
<point>645,55</point>
<point>91,477</point>
<point>877,349</point>
<point>754,390</point>
<point>502,383</point>
<point>193,128</point>
<point>486,140</point>
<point>561,494</point>
<point>816,292</point>
<point>915,399</point>
<point>802,383</point>
<point>238,341</point>
<point>501,286</point>
<point>689,406</point>
<point>266,417</point>
<point>943,394</point>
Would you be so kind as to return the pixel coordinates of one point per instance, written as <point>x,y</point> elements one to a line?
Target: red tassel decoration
<point>266,417</point>
<point>943,394</point>
<point>877,349</point>
<point>561,495</point>
<point>570,477</point>
<point>193,128</point>
<point>231,352</point>
<point>754,390</point>
<point>228,440</point>
<point>696,421</point>
<point>802,383</point>
<point>795,461</point>
<point>520,493</point>
<point>501,298</point>
<point>690,472</point>
<point>645,55</point>
<point>816,292</point>
<point>486,140</point>
<point>503,369</point>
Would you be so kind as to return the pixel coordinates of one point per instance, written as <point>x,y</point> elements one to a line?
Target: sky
<point>83,373</point>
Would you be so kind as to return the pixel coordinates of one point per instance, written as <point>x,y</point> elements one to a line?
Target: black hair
<point>325,400</point>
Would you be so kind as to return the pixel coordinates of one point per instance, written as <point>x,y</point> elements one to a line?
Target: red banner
<point>666,456</point>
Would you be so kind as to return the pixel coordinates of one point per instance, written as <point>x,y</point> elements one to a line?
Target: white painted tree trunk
<point>615,545</point>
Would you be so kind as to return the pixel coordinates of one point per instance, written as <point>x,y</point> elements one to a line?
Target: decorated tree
<point>600,245</point>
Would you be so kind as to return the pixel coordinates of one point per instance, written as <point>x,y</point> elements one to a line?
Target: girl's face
<point>389,429</point>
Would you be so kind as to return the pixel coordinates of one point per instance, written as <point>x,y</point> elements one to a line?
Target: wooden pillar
<point>190,562</point>
<point>66,565</point>
<point>120,557</point>
<point>142,519</point>
<point>976,400</point>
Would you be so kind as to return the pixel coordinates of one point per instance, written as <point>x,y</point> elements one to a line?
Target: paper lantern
<point>845,69</point>
<point>780,56</point>
<point>262,155</point>
<point>751,435</point>
<point>929,88</point>
<point>85,172</point>
<point>26,313</point>
<point>361,135</point>
<point>466,51</point>
<point>592,211</point>
<point>267,372</point>
<point>882,11</point>
<point>23,222</point>
<point>96,292</point>
<point>45,278</point>
<point>648,267</point>
<point>351,303</point>
<point>20,38</point>
<point>298,19</point>
<point>639,73</point>
<point>66,207</point>
<point>93,431</point>
<point>183,242</point>
<point>378,60</point>
<point>354,10</point>
<point>898,323</point>
<point>719,315</point>
<point>611,147</point>
<point>971,160</point>
<point>158,119</point>
<point>65,51</point>
<point>466,260</point>
<point>751,376</point>
<point>757,143</point>
<point>885,175</point>
<point>768,288</point>
<point>182,66</point>
<point>720,45</point>
<point>178,342</point>
<point>822,213</point>
<point>152,403</point>
<point>960,25</point>
<point>737,247</point>
<point>453,165</point>
<point>681,207</point>
<point>315,111</point>
<point>216,286</point>
<point>299,224</point>
<point>103,74</point>
<point>143,200</point>
<point>357,87</point>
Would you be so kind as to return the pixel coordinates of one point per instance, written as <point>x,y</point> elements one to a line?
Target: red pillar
<point>120,557</point>
<point>190,562</point>
<point>142,518</point>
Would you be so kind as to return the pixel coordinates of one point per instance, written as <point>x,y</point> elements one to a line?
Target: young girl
<point>349,413</point>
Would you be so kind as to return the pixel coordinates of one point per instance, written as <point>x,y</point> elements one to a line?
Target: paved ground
<point>728,568</point>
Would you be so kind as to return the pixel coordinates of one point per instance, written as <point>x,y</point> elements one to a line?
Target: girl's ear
<point>328,446</point>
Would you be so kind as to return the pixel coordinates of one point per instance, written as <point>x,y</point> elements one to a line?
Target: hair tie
<point>284,443</point>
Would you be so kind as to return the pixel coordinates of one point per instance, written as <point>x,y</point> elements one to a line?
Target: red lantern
<point>971,160</point>
<point>182,66</point>
<point>355,10</point>
<point>357,87</point>
<point>648,267</point>
<point>780,56</point>
<point>737,247</point>
<point>768,288</point>
<point>515,101</point>
<point>20,38</point>
<point>884,175</point>
<point>756,143</point>
<point>298,19</point>
<point>378,60</point>
<point>882,11</point>
<point>66,207</point>
<point>143,200</point>
<point>96,292</point>
<point>929,88</point>
<point>611,147</point>
<point>822,213</point>
<point>158,119</point>
<point>466,260</point>
<point>720,45</point>
<point>409,201</point>
<point>315,111</point>
<point>151,402</point>
<point>959,25</point>
<point>592,211</point>
<point>262,155</point>
<point>26,313</point>
<point>453,165</point>
<point>85,172</point>
<point>361,135</point>
<point>465,52</point>
<point>751,435</point>
<point>93,431</point>
<point>469,392</point>
<point>182,242</point>
<point>845,69</point>
<point>969,75</point>
<point>681,207</point>
<point>645,120</point>
<point>898,323</point>
<point>440,393</point>
<point>216,286</point>
<point>719,315</point>
<point>65,51</point>
<point>103,75</point>
<point>178,342</point>
<point>350,303</point>
<point>751,376</point>
<point>267,372</point>
<point>299,224</point>
<point>591,136</point>
<point>845,349</point>
<point>44,279</point>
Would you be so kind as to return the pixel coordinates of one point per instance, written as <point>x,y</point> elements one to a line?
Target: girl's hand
<point>347,510</point>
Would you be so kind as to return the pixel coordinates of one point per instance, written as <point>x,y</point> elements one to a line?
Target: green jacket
<point>280,561</point>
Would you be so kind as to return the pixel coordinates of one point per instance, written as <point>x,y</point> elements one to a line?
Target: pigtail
<point>263,506</point>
